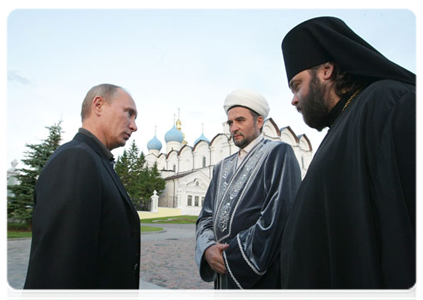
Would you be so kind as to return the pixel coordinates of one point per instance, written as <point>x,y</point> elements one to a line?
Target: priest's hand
<point>214,257</point>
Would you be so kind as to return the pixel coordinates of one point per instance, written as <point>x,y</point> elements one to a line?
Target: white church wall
<point>219,149</point>
<point>288,137</point>
<point>195,188</point>
<point>167,198</point>
<point>172,161</point>
<point>186,177</point>
<point>150,159</point>
<point>185,158</point>
<point>161,162</point>
<point>201,155</point>
<point>270,131</point>
<point>176,146</point>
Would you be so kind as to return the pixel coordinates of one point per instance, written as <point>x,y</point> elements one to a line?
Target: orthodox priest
<point>352,225</point>
<point>240,226</point>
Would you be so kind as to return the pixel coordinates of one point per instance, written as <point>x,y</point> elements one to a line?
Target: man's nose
<point>295,100</point>
<point>234,128</point>
<point>133,125</point>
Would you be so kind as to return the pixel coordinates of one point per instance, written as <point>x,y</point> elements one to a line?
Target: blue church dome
<point>154,144</point>
<point>174,135</point>
<point>201,138</point>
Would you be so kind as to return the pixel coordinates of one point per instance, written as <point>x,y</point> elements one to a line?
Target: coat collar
<point>81,137</point>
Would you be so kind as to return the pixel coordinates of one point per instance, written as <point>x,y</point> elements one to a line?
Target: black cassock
<point>353,222</point>
<point>247,207</point>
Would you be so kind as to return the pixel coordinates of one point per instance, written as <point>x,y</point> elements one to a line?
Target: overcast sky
<point>167,59</point>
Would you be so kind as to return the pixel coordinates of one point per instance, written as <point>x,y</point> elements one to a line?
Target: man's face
<point>310,99</point>
<point>242,126</point>
<point>119,119</point>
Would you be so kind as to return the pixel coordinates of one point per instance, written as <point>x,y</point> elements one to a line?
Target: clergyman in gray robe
<point>240,227</point>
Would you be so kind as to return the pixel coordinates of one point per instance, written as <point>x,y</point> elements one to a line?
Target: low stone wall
<point>162,212</point>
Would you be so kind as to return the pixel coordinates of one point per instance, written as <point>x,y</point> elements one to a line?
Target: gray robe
<point>247,207</point>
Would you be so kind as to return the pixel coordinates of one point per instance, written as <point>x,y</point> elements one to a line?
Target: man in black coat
<point>353,223</point>
<point>86,232</point>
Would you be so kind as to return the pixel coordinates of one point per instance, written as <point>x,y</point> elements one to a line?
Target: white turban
<point>249,99</point>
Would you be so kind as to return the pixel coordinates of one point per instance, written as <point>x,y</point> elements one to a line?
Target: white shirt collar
<point>243,152</point>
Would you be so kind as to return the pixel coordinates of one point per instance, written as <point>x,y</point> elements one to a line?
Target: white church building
<point>188,170</point>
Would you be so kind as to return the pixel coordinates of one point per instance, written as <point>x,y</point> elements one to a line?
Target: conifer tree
<point>122,168</point>
<point>152,182</point>
<point>20,203</point>
<point>138,180</point>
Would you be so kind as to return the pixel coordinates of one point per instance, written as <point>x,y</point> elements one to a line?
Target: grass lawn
<point>27,234</point>
<point>18,234</point>
<point>18,230</point>
<point>150,229</point>
<point>172,220</point>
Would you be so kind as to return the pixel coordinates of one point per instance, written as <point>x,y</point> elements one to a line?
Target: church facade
<point>188,170</point>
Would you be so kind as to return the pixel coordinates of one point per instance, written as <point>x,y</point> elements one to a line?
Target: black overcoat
<point>86,232</point>
<point>353,223</point>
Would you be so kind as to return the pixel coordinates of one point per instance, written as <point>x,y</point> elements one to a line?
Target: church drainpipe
<point>174,194</point>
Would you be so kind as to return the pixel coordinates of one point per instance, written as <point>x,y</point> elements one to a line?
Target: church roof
<point>180,175</point>
<point>154,144</point>
<point>218,135</point>
<point>201,138</point>
<point>292,133</point>
<point>174,135</point>
<point>305,138</point>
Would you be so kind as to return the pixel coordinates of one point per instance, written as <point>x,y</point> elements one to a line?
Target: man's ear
<point>327,70</point>
<point>98,104</point>
<point>260,122</point>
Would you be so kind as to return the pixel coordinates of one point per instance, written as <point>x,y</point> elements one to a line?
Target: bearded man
<point>353,222</point>
<point>240,227</point>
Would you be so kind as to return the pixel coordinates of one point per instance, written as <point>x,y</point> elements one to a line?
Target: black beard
<point>242,143</point>
<point>314,106</point>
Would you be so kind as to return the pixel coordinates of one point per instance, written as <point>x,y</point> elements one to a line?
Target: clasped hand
<point>214,257</point>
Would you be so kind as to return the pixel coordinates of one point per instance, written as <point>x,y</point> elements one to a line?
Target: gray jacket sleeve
<point>253,251</point>
<point>204,233</point>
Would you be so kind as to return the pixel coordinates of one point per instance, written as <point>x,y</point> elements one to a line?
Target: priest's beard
<point>315,107</point>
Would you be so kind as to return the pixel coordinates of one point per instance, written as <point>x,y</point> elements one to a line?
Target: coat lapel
<point>85,139</point>
<point>119,184</point>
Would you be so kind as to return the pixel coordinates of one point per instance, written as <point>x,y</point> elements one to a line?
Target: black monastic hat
<point>329,39</point>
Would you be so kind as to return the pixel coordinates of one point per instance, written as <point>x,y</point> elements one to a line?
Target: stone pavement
<point>167,259</point>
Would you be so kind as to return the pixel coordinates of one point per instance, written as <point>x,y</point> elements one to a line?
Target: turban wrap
<point>249,99</point>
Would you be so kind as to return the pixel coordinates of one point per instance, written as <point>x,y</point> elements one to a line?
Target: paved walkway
<point>167,259</point>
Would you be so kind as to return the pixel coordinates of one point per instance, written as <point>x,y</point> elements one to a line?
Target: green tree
<point>20,203</point>
<point>122,168</point>
<point>152,181</point>
<point>138,180</point>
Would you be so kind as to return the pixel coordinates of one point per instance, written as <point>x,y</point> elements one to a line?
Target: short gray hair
<point>105,90</point>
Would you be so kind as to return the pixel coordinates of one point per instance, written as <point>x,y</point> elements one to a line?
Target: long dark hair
<point>345,83</point>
